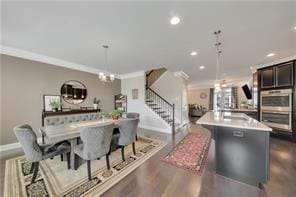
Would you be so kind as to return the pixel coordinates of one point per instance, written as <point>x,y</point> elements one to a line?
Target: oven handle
<point>267,95</point>
<point>276,112</point>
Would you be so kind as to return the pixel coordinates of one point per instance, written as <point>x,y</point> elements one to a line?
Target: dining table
<point>71,132</point>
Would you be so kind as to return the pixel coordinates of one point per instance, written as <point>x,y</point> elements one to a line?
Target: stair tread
<point>149,101</point>
<point>152,104</point>
<point>161,112</point>
<point>156,108</point>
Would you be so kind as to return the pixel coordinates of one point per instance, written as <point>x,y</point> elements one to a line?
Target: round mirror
<point>73,92</point>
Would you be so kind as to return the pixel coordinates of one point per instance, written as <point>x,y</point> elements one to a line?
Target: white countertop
<point>238,120</point>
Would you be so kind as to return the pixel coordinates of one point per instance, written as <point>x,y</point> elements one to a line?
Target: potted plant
<point>55,105</point>
<point>116,114</point>
<point>244,105</point>
<point>96,102</point>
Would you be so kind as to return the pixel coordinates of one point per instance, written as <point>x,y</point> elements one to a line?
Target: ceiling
<point>141,37</point>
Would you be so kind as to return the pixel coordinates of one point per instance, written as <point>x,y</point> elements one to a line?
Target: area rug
<point>54,179</point>
<point>190,153</point>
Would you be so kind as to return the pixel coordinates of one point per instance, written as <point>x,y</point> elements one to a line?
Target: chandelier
<point>105,76</point>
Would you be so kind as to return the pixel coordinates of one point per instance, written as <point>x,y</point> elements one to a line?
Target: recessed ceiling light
<point>193,53</point>
<point>270,55</point>
<point>202,67</point>
<point>175,20</point>
<point>295,28</point>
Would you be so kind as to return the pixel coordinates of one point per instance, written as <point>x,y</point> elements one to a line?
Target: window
<point>218,99</point>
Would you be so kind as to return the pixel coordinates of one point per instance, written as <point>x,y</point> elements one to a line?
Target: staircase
<point>161,107</point>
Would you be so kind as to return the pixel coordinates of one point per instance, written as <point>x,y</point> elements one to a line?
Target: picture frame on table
<point>47,99</point>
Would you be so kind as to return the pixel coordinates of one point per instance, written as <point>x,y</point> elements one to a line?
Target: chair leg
<point>122,153</point>
<point>136,137</point>
<point>32,167</point>
<point>134,148</point>
<point>88,170</point>
<point>107,161</point>
<point>62,157</point>
<point>68,160</point>
<point>98,158</point>
<point>75,162</point>
<point>36,167</point>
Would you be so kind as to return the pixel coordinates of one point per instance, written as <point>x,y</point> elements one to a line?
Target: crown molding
<point>197,85</point>
<point>282,60</point>
<point>132,75</point>
<point>181,74</point>
<point>6,50</point>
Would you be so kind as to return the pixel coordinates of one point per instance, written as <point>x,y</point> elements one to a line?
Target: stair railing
<point>163,104</point>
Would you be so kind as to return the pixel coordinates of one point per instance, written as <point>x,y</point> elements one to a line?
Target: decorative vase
<point>95,106</point>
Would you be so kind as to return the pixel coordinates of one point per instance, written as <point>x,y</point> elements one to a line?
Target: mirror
<point>73,92</point>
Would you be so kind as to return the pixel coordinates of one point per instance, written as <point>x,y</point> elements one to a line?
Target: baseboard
<point>155,129</point>
<point>8,147</point>
<point>13,146</point>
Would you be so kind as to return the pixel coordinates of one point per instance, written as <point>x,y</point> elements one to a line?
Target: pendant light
<point>105,76</point>
<point>217,83</point>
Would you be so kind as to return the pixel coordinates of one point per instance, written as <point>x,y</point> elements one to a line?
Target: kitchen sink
<point>234,118</point>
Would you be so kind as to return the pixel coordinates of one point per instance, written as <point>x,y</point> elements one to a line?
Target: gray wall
<point>24,82</point>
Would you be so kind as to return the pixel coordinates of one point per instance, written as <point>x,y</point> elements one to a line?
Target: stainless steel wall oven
<point>276,108</point>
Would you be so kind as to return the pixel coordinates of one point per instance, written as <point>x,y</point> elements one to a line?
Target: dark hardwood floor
<point>155,178</point>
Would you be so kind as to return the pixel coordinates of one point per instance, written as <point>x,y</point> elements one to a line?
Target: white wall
<point>148,119</point>
<point>173,89</point>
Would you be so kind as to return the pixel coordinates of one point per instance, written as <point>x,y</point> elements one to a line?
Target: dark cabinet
<point>277,76</point>
<point>267,78</point>
<point>284,75</point>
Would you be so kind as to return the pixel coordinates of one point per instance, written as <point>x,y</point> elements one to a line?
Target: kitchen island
<point>241,146</point>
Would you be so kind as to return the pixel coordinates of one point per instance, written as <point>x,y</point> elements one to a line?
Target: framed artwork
<point>135,93</point>
<point>47,99</point>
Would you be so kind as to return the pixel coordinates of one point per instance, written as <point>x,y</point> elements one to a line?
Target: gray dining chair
<point>127,135</point>
<point>96,143</point>
<point>34,152</point>
<point>133,115</point>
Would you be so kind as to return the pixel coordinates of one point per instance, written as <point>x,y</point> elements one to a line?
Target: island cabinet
<point>278,76</point>
<point>241,146</point>
<point>242,154</point>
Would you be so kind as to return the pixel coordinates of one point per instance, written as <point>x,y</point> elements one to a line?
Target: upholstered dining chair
<point>133,115</point>
<point>96,143</point>
<point>127,135</point>
<point>34,152</point>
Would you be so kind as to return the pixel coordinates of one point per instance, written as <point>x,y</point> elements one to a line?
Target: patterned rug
<point>191,153</point>
<point>54,179</point>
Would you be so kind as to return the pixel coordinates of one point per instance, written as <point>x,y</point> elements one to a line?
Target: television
<point>247,91</point>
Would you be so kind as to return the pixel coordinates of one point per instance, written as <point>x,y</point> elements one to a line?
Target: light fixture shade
<point>101,75</point>
<point>217,86</point>
<point>112,77</point>
<point>223,84</point>
<point>104,78</point>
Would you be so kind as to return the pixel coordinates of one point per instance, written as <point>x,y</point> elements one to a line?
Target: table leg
<point>73,142</point>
